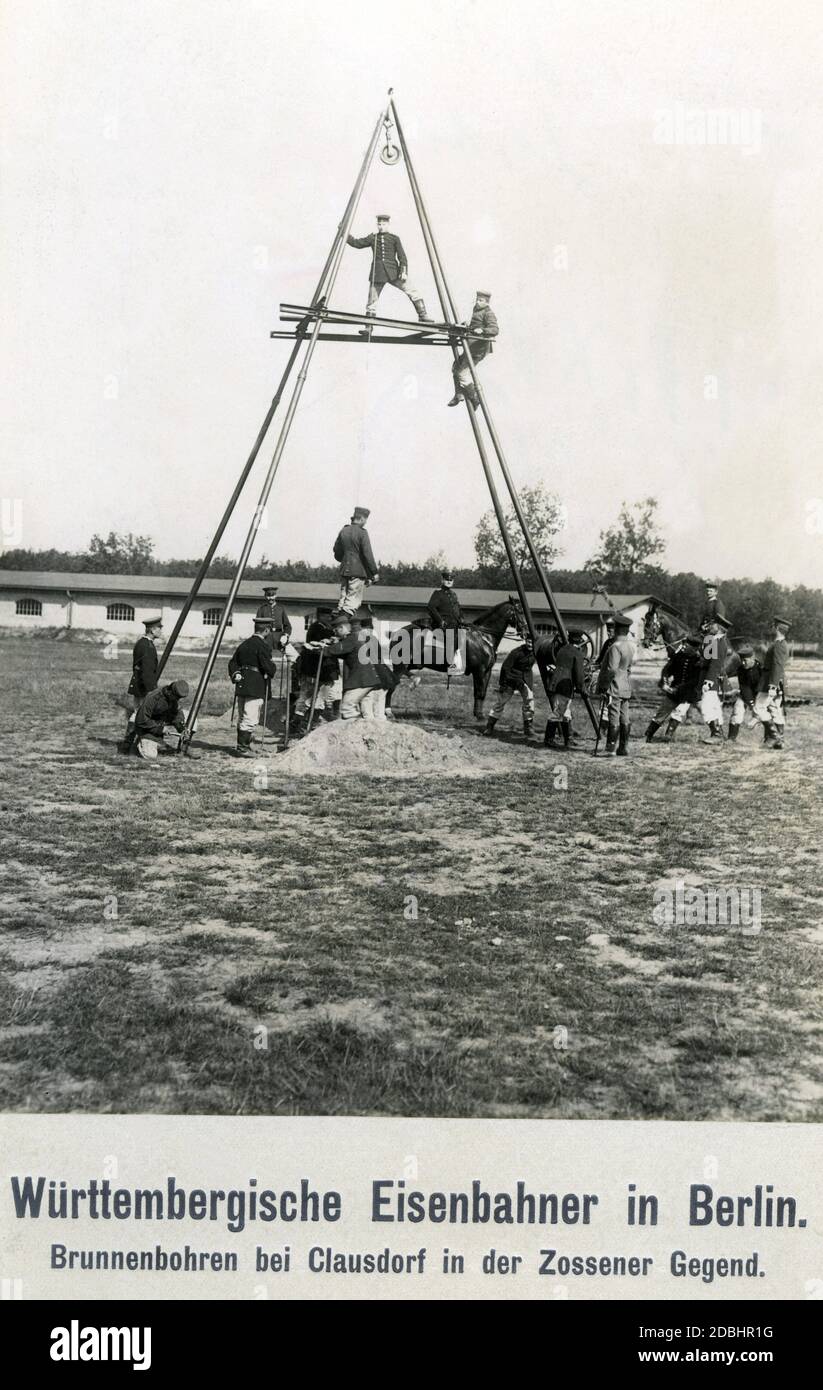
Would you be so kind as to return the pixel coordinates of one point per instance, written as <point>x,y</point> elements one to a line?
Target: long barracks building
<point>116,604</point>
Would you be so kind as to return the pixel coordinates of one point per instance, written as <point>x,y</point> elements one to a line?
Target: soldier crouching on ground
<point>680,682</point>
<point>748,670</point>
<point>565,679</point>
<point>361,683</point>
<point>615,682</point>
<point>250,671</point>
<point>516,678</point>
<point>770,702</point>
<point>159,710</point>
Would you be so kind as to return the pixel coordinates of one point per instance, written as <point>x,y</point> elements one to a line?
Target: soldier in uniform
<point>680,682</point>
<point>516,678</point>
<point>565,678</point>
<point>361,682</point>
<point>357,564</point>
<point>389,267</point>
<point>714,607</point>
<point>158,709</point>
<point>611,633</point>
<point>144,663</point>
<point>250,670</point>
<point>447,616</point>
<point>280,630</point>
<point>748,670</point>
<point>615,681</point>
<point>715,660</point>
<point>483,329</point>
<point>770,702</point>
<point>329,690</point>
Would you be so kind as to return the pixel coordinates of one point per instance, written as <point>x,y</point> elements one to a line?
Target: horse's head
<point>651,625</point>
<point>516,617</point>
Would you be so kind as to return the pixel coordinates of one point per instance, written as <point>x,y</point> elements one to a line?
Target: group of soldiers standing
<point>337,675</point>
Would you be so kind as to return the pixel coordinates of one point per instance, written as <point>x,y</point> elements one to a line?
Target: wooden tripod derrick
<point>309,321</point>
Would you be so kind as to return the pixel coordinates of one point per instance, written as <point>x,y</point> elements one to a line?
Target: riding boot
<point>489,729</point>
<point>652,730</point>
<point>329,716</point>
<point>244,749</point>
<point>768,733</point>
<point>671,731</point>
<point>716,731</point>
<point>423,316</point>
<point>734,730</point>
<point>623,745</point>
<point>528,727</point>
<point>566,730</point>
<point>551,733</point>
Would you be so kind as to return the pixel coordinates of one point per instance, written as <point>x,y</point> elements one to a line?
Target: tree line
<point>627,560</point>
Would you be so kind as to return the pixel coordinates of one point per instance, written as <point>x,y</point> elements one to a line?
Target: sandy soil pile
<point>390,748</point>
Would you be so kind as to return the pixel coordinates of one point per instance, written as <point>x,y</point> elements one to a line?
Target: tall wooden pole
<point>450,312</point>
<point>205,563</point>
<point>449,316</point>
<point>333,267</point>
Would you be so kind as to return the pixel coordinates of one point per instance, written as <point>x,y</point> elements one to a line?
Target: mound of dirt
<point>390,748</point>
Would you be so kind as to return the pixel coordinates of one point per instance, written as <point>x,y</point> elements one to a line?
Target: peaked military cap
<point>620,620</point>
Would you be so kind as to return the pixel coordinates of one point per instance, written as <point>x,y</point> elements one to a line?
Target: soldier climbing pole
<point>308,322</point>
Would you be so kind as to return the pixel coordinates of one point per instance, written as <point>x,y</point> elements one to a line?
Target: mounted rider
<point>447,617</point>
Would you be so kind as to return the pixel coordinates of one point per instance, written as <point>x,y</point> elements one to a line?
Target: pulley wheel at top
<point>390,154</point>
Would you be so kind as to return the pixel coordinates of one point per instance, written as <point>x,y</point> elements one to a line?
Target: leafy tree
<point>546,517</point>
<point>120,554</point>
<point>631,544</point>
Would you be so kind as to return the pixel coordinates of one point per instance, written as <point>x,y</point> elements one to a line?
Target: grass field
<point>216,936</point>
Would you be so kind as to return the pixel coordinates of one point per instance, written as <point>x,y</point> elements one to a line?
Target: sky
<point>171,171</point>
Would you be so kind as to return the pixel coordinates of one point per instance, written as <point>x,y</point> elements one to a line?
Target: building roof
<point>155,586</point>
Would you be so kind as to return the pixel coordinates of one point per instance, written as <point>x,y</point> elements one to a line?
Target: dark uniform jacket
<point>715,659</point>
<point>444,607</point>
<point>774,665</point>
<point>253,660</point>
<point>357,674</point>
<point>748,678</point>
<point>388,256</point>
<point>684,670</point>
<point>604,651</point>
<point>568,673</point>
<point>715,608</point>
<point>159,708</point>
<point>144,663</point>
<point>483,326</point>
<point>307,661</point>
<point>353,549</point>
<point>277,614</point>
<point>516,670</point>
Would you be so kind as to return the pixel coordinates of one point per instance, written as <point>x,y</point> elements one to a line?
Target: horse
<point>481,640</point>
<point>662,627</point>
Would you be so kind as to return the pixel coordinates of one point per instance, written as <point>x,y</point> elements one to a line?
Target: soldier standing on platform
<point>250,669</point>
<point>615,681</point>
<point>389,267</point>
<point>357,564</point>
<point>483,329</point>
<point>447,616</point>
<point>770,702</point>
